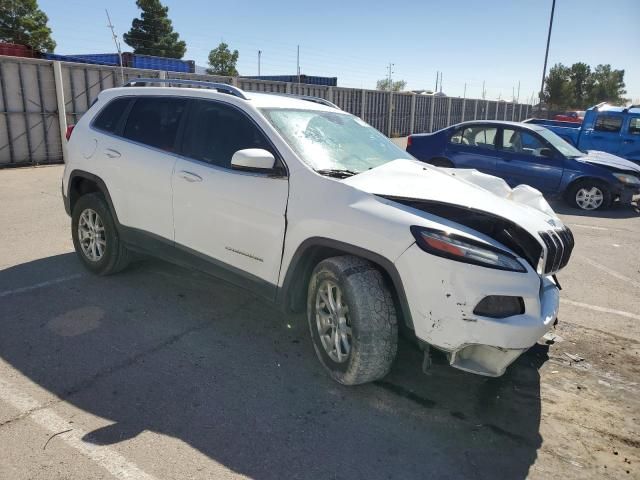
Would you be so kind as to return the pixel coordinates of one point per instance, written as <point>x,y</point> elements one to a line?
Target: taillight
<point>409,141</point>
<point>69,130</point>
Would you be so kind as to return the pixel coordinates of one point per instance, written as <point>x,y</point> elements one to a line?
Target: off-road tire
<point>116,256</point>
<point>372,315</point>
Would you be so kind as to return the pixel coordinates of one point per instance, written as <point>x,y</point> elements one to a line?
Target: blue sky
<point>500,42</point>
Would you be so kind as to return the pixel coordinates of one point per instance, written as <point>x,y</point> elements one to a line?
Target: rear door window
<point>479,136</point>
<point>608,123</point>
<point>634,125</point>
<point>154,121</point>
<point>109,117</point>
<point>215,131</point>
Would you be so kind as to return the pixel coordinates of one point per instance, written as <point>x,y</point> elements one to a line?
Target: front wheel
<point>352,320</point>
<point>589,195</point>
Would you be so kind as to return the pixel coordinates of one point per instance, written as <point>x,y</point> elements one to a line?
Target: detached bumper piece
<point>484,359</point>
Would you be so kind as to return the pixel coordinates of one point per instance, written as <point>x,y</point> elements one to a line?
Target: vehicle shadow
<point>615,211</point>
<point>158,348</point>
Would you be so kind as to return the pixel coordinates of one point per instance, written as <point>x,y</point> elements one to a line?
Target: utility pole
<point>298,65</point>
<point>518,97</point>
<point>546,55</point>
<point>115,40</point>
<point>391,72</point>
<point>484,92</point>
<point>465,91</point>
<point>440,82</point>
<point>259,55</point>
<point>437,77</point>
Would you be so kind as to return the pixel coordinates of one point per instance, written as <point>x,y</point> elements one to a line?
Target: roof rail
<point>308,98</point>
<point>220,87</point>
<point>601,104</point>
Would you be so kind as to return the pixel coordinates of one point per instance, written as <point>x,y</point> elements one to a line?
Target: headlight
<point>627,179</point>
<point>461,249</point>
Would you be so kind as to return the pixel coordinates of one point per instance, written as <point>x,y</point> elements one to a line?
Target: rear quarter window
<point>109,117</point>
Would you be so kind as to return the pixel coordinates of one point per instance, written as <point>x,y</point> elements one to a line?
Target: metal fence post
<point>486,111</point>
<point>62,110</point>
<point>464,106</point>
<point>412,119</point>
<point>363,109</point>
<point>390,122</point>
<point>475,110</point>
<point>520,113</point>
<point>330,94</point>
<point>433,104</point>
<point>449,112</point>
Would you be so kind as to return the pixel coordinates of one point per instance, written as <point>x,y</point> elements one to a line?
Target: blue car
<point>522,153</point>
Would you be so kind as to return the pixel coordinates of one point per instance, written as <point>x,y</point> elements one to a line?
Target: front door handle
<point>111,153</point>
<point>190,176</point>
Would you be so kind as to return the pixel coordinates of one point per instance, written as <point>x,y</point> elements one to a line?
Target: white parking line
<point>111,461</point>
<point>600,309</point>
<point>592,227</point>
<point>611,272</point>
<point>6,293</point>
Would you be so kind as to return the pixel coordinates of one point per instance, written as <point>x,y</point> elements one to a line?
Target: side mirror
<point>546,152</point>
<point>253,160</point>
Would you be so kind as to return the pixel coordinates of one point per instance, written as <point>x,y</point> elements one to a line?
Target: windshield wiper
<point>337,172</point>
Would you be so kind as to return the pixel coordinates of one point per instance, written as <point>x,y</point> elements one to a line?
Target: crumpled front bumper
<point>442,295</point>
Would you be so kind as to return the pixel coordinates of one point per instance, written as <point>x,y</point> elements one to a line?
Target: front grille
<point>559,244</point>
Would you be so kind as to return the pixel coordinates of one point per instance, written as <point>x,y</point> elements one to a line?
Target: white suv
<point>310,207</point>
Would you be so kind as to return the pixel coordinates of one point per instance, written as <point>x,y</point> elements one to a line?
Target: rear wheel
<point>352,320</point>
<point>589,195</point>
<point>441,162</point>
<point>95,236</point>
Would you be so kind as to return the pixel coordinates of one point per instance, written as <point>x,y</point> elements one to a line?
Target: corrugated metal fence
<point>39,97</point>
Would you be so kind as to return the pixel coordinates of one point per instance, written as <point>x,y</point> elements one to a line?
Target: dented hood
<point>603,158</point>
<point>411,179</point>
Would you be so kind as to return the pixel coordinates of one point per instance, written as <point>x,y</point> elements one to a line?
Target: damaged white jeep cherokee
<point>310,207</point>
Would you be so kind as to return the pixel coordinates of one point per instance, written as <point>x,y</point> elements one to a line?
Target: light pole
<point>259,55</point>
<point>546,55</point>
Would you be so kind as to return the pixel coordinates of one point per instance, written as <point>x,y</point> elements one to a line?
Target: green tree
<point>22,22</point>
<point>581,83</point>
<point>386,84</point>
<point>152,33</point>
<point>607,85</point>
<point>222,61</point>
<point>558,94</point>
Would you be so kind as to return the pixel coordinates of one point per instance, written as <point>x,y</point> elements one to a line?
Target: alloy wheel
<point>332,321</point>
<point>589,198</point>
<point>91,235</point>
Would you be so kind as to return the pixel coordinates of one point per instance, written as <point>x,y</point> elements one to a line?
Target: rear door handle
<point>111,153</point>
<point>189,176</point>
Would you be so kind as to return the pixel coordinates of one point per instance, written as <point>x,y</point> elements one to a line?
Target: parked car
<point>573,117</point>
<point>311,208</point>
<point>605,128</point>
<point>525,153</point>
